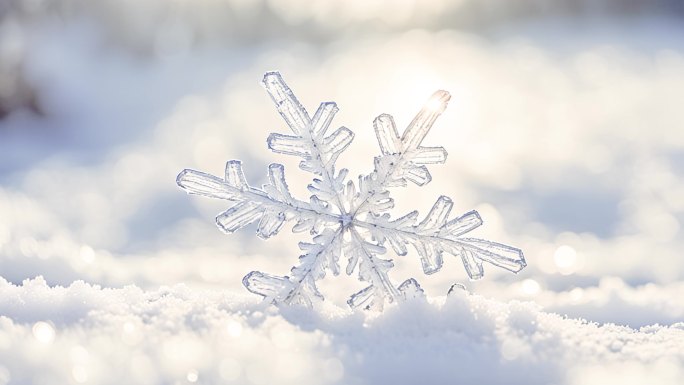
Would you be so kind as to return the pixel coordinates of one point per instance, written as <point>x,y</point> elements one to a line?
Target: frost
<point>348,219</point>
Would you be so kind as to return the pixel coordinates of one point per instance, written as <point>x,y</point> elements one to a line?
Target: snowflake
<point>346,218</point>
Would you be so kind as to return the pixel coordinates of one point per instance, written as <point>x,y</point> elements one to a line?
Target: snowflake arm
<point>319,152</point>
<point>402,158</point>
<point>300,287</point>
<point>435,235</point>
<point>373,270</point>
<point>272,205</point>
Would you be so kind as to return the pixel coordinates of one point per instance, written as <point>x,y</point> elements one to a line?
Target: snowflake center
<point>346,220</point>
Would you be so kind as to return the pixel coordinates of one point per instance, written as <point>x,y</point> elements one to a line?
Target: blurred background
<point>565,131</point>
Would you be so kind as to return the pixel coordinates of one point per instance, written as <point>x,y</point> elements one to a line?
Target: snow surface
<point>564,132</point>
<point>55,335</point>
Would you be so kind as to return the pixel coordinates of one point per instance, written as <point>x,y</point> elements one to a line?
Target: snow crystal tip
<point>411,290</point>
<point>438,101</point>
<point>445,199</point>
<point>346,218</point>
<point>246,279</point>
<point>519,263</point>
<point>384,116</point>
<point>272,75</point>
<point>522,263</point>
<point>330,105</point>
<point>457,288</point>
<point>266,285</point>
<point>180,179</point>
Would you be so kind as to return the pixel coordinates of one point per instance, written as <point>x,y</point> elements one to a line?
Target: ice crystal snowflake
<point>347,218</point>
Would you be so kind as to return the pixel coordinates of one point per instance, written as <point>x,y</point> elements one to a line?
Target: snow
<point>180,335</point>
<point>563,132</point>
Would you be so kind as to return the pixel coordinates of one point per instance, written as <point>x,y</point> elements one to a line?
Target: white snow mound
<point>177,335</point>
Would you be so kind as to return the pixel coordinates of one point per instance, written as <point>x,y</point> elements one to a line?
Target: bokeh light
<point>43,332</point>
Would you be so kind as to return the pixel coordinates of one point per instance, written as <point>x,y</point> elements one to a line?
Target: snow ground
<point>564,132</point>
<point>179,335</point>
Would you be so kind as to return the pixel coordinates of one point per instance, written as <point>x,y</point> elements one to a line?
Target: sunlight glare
<point>433,104</point>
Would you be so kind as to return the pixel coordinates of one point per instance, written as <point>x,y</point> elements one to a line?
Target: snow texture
<point>344,217</point>
<point>176,335</point>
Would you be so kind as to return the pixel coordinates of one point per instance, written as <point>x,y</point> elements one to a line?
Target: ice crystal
<point>346,218</point>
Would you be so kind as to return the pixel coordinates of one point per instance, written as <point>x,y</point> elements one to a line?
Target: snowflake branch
<point>402,158</point>
<point>435,235</point>
<point>273,205</point>
<point>322,254</point>
<point>373,270</point>
<point>318,151</point>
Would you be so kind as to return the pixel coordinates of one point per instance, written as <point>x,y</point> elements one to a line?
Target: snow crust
<point>79,333</point>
